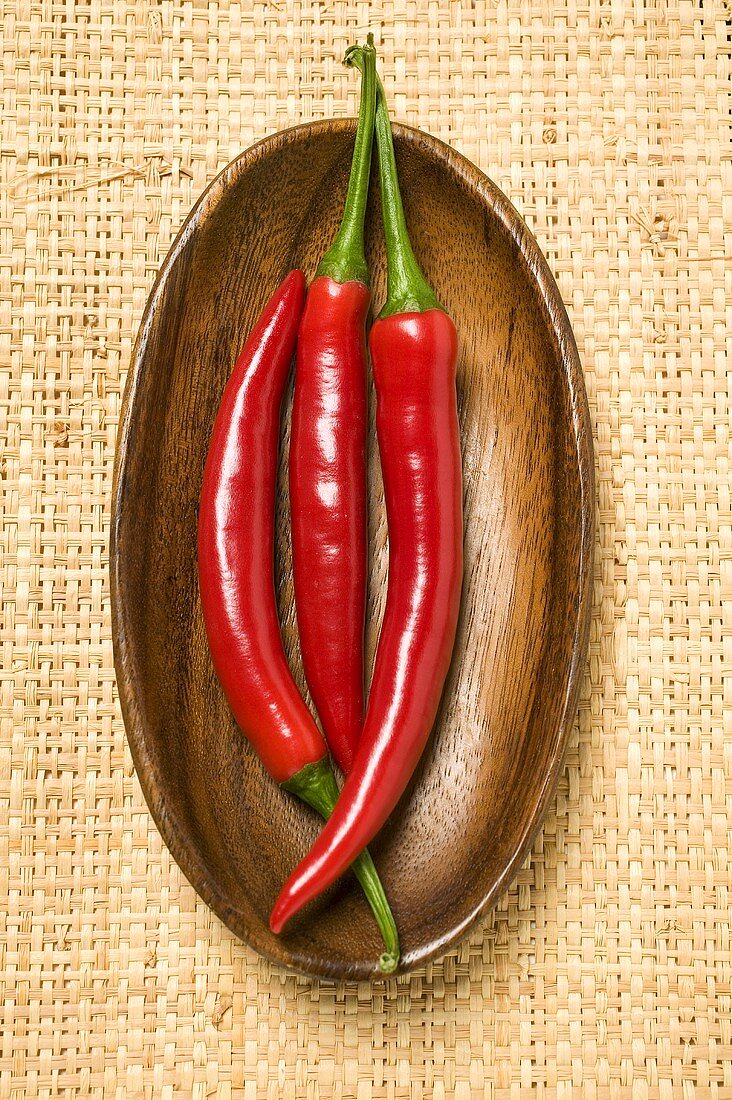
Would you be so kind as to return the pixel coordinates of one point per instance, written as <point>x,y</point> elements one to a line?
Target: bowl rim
<point>153,788</point>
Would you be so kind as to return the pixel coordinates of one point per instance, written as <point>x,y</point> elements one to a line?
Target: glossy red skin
<point>236,545</point>
<point>414,358</point>
<point>328,505</point>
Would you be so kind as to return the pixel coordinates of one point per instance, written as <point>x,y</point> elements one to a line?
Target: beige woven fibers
<point>605,971</point>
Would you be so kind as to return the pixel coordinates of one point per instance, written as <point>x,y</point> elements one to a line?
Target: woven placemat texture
<point>605,971</point>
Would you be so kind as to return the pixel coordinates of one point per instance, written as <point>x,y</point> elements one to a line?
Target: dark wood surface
<point>490,770</point>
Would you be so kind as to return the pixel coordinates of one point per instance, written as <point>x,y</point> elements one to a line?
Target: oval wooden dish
<point>490,770</point>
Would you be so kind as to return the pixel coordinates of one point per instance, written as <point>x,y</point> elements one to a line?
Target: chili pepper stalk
<point>414,356</point>
<point>407,289</point>
<point>345,260</point>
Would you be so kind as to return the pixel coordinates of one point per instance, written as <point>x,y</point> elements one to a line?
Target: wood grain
<point>490,770</point>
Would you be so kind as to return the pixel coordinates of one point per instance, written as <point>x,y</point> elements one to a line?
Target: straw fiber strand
<point>605,971</point>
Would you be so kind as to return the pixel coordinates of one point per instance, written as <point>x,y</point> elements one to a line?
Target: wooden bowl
<point>489,772</point>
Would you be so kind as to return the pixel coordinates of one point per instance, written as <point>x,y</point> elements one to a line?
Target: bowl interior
<point>490,767</point>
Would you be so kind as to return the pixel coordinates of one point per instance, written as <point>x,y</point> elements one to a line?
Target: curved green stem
<point>345,260</point>
<point>407,290</point>
<point>316,785</point>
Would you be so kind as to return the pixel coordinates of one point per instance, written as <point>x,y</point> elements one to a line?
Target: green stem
<point>407,290</point>
<point>345,261</point>
<point>316,785</point>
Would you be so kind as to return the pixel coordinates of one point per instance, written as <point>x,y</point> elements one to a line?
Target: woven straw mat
<point>605,971</point>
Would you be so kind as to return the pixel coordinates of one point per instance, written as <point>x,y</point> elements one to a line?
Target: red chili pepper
<point>236,573</point>
<point>328,460</point>
<point>414,354</point>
